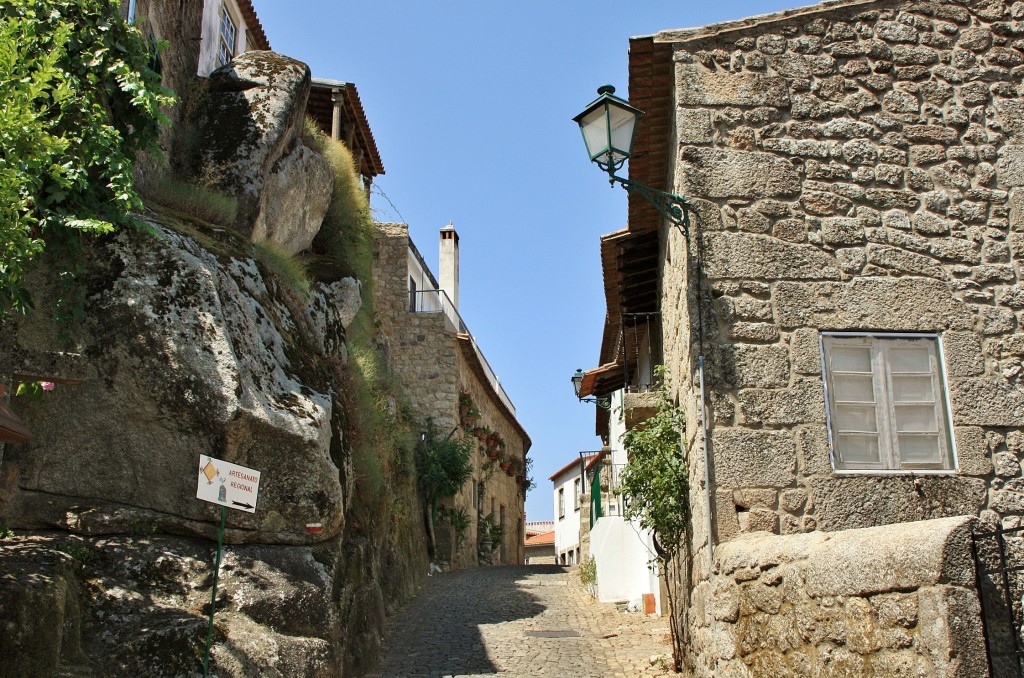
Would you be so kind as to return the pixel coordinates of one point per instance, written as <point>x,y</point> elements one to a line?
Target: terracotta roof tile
<point>542,539</point>
<point>252,22</point>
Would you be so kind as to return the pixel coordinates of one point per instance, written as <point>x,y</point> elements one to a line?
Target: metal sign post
<point>213,597</point>
<point>229,486</point>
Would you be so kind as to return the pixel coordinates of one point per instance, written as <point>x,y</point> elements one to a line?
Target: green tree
<point>79,101</point>
<point>442,466</point>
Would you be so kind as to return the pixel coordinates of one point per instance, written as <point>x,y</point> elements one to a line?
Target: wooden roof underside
<point>320,107</point>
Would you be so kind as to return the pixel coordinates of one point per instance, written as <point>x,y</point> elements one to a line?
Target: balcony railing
<point>437,301</point>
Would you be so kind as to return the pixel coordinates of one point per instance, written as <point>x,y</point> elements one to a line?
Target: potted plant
<point>468,412</point>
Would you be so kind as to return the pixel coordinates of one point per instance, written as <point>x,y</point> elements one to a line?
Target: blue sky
<point>470,103</point>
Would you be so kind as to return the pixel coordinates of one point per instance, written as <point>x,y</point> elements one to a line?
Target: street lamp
<point>577,381</point>
<point>609,126</point>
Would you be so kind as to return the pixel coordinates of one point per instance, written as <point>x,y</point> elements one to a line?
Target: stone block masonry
<point>856,166</point>
<point>901,604</point>
<point>435,365</point>
<point>853,167</point>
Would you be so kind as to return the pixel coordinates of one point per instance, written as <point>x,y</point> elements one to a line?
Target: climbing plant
<point>656,485</point>
<point>79,101</point>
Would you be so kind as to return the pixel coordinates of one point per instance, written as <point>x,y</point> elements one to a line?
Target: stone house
<point>840,324</point>
<point>447,380</point>
<point>540,549</point>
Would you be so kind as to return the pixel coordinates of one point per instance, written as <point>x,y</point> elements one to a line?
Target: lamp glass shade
<point>609,126</point>
<point>577,381</point>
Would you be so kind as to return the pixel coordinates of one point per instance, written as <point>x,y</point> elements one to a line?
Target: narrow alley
<point>519,621</point>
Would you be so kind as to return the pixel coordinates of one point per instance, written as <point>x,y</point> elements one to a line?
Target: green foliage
<point>443,464</point>
<point>380,424</point>
<point>491,530</point>
<point>469,413</point>
<point>655,479</point>
<point>459,519</point>
<point>287,267</point>
<point>33,389</point>
<point>6,532</point>
<point>588,572</point>
<point>205,204</point>
<point>528,481</point>
<point>79,100</point>
<point>81,551</point>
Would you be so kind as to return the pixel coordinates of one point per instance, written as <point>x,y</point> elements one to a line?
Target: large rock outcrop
<point>190,347</point>
<point>248,138</point>
<point>191,353</point>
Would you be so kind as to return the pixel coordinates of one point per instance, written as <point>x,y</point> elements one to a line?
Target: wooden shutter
<point>855,398</point>
<point>916,407</point>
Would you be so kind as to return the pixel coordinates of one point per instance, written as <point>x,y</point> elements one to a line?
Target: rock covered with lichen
<point>190,351</point>
<point>247,130</point>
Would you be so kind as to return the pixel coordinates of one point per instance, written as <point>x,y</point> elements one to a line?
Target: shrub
<point>79,101</point>
<point>588,573</point>
<point>346,235</point>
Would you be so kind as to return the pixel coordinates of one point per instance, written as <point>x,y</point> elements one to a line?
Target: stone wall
<point>852,168</point>
<point>855,166</point>
<point>902,604</point>
<point>434,366</point>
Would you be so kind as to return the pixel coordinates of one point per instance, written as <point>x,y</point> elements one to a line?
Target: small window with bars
<point>886,403</point>
<point>228,42</point>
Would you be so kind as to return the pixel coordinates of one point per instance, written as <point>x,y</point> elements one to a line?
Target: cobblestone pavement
<point>518,621</point>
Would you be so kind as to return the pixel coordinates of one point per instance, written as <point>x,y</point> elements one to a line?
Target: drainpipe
<point>707,459</point>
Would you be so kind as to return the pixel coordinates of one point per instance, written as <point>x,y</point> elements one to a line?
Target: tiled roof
<point>542,539</point>
<point>255,28</point>
<point>320,107</point>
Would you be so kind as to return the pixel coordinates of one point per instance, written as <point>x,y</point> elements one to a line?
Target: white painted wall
<point>211,31</point>
<point>622,551</point>
<point>621,548</point>
<point>567,525</point>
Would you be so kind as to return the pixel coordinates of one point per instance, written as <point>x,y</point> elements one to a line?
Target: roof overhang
<point>320,106</point>
<point>568,467</point>
<point>255,34</point>
<point>630,257</point>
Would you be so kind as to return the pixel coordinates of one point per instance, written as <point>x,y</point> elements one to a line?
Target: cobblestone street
<point>518,621</point>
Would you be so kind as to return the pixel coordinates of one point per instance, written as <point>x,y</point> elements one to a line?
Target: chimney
<point>449,264</point>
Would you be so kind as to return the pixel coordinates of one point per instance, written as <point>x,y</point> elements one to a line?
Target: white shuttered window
<point>886,403</point>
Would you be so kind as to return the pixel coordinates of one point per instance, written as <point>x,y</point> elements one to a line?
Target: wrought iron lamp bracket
<point>603,403</point>
<point>670,206</point>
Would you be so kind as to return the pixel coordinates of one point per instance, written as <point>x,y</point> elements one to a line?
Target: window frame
<point>945,426</point>
<point>561,503</point>
<point>225,10</point>
<point>577,485</point>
